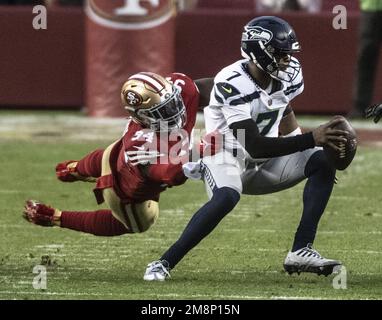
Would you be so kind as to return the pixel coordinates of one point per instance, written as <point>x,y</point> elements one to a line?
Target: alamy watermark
<point>340,280</point>
<point>340,21</point>
<point>176,146</point>
<point>40,281</point>
<point>40,20</point>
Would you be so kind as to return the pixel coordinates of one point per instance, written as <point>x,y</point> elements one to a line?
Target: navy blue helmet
<point>266,40</point>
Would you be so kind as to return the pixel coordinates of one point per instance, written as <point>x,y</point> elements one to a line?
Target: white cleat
<point>157,271</point>
<point>309,260</point>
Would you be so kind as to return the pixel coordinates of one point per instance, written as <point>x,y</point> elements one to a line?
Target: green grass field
<point>241,259</point>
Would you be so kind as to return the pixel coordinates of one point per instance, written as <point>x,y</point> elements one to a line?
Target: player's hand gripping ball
<point>341,159</point>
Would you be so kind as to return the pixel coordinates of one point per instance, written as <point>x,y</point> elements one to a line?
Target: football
<point>342,159</point>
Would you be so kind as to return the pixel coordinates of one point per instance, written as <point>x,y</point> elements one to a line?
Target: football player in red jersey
<point>131,173</point>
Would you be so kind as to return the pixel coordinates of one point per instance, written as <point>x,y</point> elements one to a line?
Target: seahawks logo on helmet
<point>265,41</point>
<point>256,34</point>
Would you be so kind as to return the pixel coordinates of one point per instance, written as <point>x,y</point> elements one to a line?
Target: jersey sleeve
<point>296,87</point>
<point>232,99</point>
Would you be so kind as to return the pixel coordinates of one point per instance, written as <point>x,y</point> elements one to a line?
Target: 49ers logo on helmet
<point>130,11</point>
<point>134,99</point>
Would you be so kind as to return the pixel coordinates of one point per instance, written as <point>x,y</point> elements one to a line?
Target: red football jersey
<point>147,161</point>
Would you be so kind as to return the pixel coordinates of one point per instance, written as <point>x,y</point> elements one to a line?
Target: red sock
<point>91,165</point>
<point>99,223</point>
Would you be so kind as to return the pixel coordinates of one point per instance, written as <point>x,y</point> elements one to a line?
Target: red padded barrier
<point>326,5</point>
<point>227,4</point>
<point>351,5</point>
<point>208,40</point>
<point>42,68</point>
<point>45,68</point>
<point>119,45</point>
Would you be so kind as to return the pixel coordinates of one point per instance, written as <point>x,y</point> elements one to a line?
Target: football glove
<point>374,111</point>
<point>67,172</point>
<point>41,214</point>
<point>192,170</point>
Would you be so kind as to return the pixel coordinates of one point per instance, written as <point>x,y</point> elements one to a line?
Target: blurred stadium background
<point>64,59</point>
<point>59,98</point>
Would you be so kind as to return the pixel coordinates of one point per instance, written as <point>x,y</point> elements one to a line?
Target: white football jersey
<point>236,97</point>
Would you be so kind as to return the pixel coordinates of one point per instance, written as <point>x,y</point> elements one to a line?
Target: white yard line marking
<point>51,246</point>
<point>126,253</point>
<point>159,295</point>
<point>6,226</point>
<point>374,232</point>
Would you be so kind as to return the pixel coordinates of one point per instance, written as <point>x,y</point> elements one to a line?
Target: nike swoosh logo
<point>139,148</point>
<point>228,90</point>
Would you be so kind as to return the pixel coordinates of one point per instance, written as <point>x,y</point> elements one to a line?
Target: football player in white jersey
<point>264,148</point>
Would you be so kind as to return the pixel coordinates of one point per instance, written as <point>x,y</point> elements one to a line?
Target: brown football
<point>342,159</point>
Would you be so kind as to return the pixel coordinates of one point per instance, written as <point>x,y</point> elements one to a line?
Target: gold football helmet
<point>154,102</point>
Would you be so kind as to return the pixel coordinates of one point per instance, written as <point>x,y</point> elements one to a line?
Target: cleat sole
<point>324,270</point>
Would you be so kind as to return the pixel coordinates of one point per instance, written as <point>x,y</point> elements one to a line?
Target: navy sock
<point>202,223</point>
<point>316,195</point>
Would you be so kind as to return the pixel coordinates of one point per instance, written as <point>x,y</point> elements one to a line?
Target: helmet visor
<point>168,115</point>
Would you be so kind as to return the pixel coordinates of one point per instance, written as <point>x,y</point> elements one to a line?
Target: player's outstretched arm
<point>323,135</point>
<point>264,147</point>
<point>374,111</point>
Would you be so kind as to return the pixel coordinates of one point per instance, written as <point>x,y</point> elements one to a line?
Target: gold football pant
<point>136,217</point>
